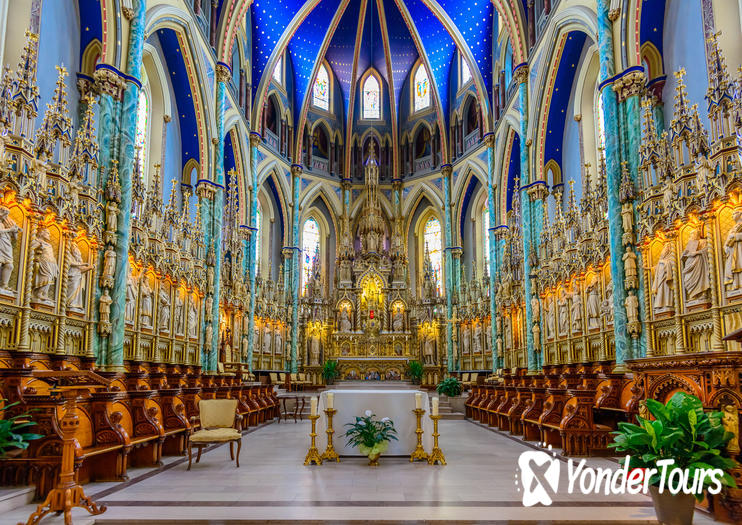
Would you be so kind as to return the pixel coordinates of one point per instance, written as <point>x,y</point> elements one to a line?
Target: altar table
<point>394,404</point>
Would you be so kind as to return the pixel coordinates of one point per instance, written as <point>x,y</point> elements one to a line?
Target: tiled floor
<point>272,484</point>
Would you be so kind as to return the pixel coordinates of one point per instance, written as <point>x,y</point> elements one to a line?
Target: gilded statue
<point>695,268</point>
<point>663,279</point>
<point>46,267</point>
<point>8,234</point>
<point>730,421</point>
<point>76,268</point>
<point>732,254</point>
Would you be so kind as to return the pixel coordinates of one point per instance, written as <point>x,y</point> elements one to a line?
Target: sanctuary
<point>253,200</point>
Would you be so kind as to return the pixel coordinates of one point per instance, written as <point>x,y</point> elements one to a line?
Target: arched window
<point>422,88</point>
<point>465,72</point>
<point>258,226</point>
<point>310,249</point>
<point>486,238</point>
<point>321,90</point>
<point>434,245</point>
<point>371,98</point>
<point>278,70</point>
<point>142,130</point>
<point>600,126</point>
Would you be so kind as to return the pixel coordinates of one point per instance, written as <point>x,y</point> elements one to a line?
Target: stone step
<point>14,497</point>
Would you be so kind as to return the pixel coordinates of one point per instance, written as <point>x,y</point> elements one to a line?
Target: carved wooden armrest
<point>237,420</point>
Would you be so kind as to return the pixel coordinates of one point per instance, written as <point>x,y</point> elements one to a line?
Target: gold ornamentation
<point>313,455</point>
<point>436,456</point>
<point>419,452</point>
<point>330,453</point>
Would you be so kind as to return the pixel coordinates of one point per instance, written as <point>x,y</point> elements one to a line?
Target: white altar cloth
<point>394,404</point>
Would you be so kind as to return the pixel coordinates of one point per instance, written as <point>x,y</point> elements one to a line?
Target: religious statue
<point>465,339</point>
<point>663,279</point>
<point>606,307</point>
<point>74,276</point>
<point>576,311</point>
<point>730,421</point>
<point>631,274</point>
<point>627,220</point>
<point>145,311</point>
<point>550,318</point>
<point>344,271</point>
<point>209,307</point>
<point>192,318</point>
<point>535,308</point>
<point>178,313</point>
<point>210,279</point>
<point>478,338</point>
<point>344,323</point>
<point>732,254</point>
<point>164,310</point>
<point>208,337</point>
<point>267,337</point>
<point>429,349</point>
<point>131,295</point>
<point>104,313</point>
<point>8,233</point>
<point>632,307</point>
<point>593,305</point>
<point>536,330</point>
<point>499,345</point>
<point>46,267</point>
<point>314,349</point>
<point>278,342</point>
<point>398,321</point>
<point>563,313</point>
<point>112,216</point>
<point>109,268</point>
<point>694,260</point>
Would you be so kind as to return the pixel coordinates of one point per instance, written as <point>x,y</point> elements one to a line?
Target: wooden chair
<point>219,424</point>
<point>274,378</point>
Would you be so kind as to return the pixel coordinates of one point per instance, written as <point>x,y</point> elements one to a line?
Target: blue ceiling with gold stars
<point>407,28</point>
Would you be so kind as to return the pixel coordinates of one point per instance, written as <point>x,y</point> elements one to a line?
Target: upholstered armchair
<point>220,423</point>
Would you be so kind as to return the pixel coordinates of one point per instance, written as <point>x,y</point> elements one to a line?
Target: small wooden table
<point>296,396</point>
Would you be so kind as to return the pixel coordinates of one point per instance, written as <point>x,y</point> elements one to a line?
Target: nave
<point>477,484</point>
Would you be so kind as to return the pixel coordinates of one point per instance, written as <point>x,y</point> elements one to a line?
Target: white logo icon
<point>539,472</point>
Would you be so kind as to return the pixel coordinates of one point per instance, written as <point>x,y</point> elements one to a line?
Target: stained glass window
<point>278,70</point>
<point>142,130</point>
<point>434,244</point>
<point>371,98</point>
<point>601,123</point>
<point>486,237</point>
<point>422,89</point>
<point>258,225</point>
<point>309,247</point>
<point>321,90</point>
<point>465,72</point>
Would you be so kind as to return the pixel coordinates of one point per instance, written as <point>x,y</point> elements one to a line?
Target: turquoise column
<point>251,249</point>
<point>205,192</point>
<point>128,119</point>
<point>446,170</point>
<point>296,171</point>
<point>492,247</point>
<point>613,181</point>
<point>521,74</point>
<point>628,89</point>
<point>110,86</point>
<point>223,75</point>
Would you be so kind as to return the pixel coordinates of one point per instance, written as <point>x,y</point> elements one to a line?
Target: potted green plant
<point>680,431</point>
<point>330,372</point>
<point>415,371</point>
<point>13,439</point>
<point>371,436</point>
<point>451,388</point>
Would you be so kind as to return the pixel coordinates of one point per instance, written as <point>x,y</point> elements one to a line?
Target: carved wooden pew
<point>581,435</point>
<point>534,407</point>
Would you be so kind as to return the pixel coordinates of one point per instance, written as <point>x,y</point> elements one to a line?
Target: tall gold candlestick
<point>419,452</point>
<point>330,453</point>
<point>313,454</point>
<point>437,454</point>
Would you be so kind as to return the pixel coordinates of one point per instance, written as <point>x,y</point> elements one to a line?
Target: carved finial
<point>25,92</point>
<point>85,150</point>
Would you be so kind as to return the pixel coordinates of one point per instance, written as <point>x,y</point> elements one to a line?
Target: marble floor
<point>272,485</point>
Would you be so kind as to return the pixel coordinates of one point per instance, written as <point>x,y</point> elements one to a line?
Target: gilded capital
<point>629,85</point>
<point>254,140</point>
<point>521,74</point>
<point>447,170</point>
<point>109,83</point>
<point>296,170</point>
<point>167,119</point>
<point>222,73</point>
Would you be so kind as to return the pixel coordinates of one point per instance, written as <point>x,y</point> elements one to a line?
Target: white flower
<point>384,419</point>
<point>369,413</point>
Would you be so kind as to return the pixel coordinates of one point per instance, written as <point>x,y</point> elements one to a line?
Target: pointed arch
<point>371,95</point>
